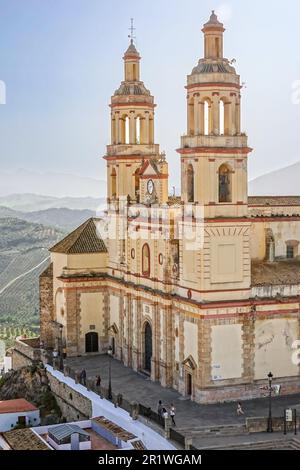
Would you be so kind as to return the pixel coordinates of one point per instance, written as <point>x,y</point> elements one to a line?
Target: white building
<point>19,411</point>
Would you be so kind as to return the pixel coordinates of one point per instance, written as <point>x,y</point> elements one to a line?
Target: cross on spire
<point>131,29</point>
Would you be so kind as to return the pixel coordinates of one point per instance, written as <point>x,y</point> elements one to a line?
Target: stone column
<point>233,114</point>
<point>201,117</point>
<point>196,114</point>
<point>238,115</point>
<point>216,114</point>
<point>147,127</point>
<point>132,128</point>
<point>120,126</point>
<point>72,322</point>
<point>248,338</point>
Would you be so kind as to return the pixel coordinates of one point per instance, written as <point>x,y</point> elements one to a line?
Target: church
<point>200,292</point>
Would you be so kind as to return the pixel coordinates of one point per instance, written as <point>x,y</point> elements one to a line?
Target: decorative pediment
<point>149,169</point>
<point>114,329</point>
<point>190,362</point>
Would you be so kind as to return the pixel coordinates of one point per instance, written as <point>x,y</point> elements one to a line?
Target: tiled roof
<point>132,50</point>
<point>114,428</point>
<point>84,239</point>
<point>24,439</point>
<point>283,272</point>
<point>16,406</point>
<point>274,200</point>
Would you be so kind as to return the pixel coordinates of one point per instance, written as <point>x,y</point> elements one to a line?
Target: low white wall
<point>103,407</point>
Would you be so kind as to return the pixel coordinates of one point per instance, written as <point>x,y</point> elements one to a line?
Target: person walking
<point>172,413</point>
<point>239,410</point>
<point>83,377</point>
<point>98,382</point>
<point>164,413</point>
<point>159,408</point>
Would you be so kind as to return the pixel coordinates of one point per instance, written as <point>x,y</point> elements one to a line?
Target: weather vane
<point>131,29</point>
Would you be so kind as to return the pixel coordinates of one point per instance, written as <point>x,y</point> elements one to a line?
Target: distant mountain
<point>66,219</point>
<point>283,182</point>
<point>33,202</point>
<point>50,184</point>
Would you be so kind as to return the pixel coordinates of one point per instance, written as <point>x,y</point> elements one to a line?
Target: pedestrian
<point>164,413</point>
<point>83,377</point>
<point>98,382</point>
<point>239,409</point>
<point>159,408</point>
<point>172,413</point>
<point>55,353</point>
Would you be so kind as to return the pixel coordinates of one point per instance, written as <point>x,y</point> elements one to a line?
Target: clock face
<point>150,186</point>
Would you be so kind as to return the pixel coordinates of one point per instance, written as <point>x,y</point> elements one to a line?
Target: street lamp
<point>109,352</point>
<point>61,364</point>
<point>270,427</point>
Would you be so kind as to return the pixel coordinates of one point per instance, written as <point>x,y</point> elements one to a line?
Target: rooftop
<point>84,239</point>
<point>24,439</point>
<point>16,406</point>
<point>274,200</point>
<point>114,428</point>
<point>281,272</point>
<point>63,431</point>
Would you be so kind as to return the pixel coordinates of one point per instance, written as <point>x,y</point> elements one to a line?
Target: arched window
<point>137,184</point>
<point>207,117</point>
<point>146,260</point>
<point>292,249</point>
<point>138,130</point>
<point>190,184</point>
<point>113,183</point>
<point>127,137</point>
<point>225,190</point>
<point>222,117</point>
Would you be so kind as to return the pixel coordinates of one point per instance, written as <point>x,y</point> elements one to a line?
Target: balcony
<point>222,141</point>
<point>133,149</point>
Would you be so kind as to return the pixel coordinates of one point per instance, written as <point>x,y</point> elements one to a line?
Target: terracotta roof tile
<point>15,406</point>
<point>83,239</point>
<point>282,272</point>
<point>274,200</point>
<point>24,439</point>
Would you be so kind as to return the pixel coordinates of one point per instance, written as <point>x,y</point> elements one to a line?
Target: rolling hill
<point>23,256</point>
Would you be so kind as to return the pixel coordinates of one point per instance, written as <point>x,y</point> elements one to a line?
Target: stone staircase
<point>275,444</point>
<point>214,431</point>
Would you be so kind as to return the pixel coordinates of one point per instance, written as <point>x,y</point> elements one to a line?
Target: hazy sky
<point>62,59</point>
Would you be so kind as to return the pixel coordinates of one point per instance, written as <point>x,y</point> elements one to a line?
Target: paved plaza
<point>189,415</point>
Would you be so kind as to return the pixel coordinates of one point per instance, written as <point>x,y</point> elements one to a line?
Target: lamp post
<point>270,426</point>
<point>109,352</point>
<point>61,363</point>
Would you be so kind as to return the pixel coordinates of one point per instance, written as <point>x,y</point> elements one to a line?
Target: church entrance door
<point>148,347</point>
<point>91,342</point>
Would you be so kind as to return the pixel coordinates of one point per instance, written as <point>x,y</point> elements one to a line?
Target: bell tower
<point>132,132</point>
<point>214,151</point>
<point>214,155</point>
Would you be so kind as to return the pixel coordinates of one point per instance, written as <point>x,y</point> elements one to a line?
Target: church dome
<point>212,67</point>
<point>136,88</point>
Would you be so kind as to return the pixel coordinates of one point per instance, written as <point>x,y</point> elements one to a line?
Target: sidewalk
<point>189,415</point>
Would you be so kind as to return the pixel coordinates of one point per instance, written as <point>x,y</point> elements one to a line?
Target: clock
<point>150,186</point>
